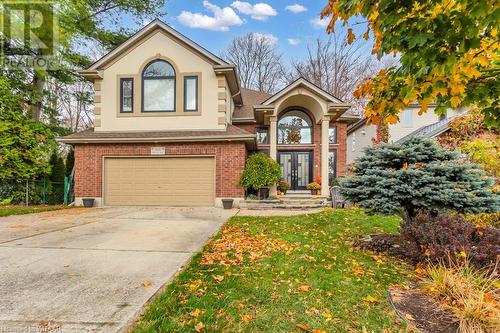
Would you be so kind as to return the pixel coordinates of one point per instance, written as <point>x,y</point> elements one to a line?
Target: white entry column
<point>325,149</point>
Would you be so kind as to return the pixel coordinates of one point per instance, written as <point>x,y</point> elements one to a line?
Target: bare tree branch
<point>260,66</point>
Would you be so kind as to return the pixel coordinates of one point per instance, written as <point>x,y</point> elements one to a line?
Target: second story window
<point>126,95</point>
<point>407,118</point>
<point>158,87</point>
<point>262,135</point>
<point>191,93</point>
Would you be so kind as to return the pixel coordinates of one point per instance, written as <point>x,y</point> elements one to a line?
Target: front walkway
<point>93,270</point>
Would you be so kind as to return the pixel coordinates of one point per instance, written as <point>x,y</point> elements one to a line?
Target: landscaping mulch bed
<point>422,312</point>
<point>392,244</point>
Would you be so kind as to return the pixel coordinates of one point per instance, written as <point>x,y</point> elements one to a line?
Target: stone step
<point>301,204</point>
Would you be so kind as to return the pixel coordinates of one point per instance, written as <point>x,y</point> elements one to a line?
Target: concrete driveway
<point>93,270</point>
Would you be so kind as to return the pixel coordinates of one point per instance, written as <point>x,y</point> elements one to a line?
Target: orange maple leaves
<point>235,244</point>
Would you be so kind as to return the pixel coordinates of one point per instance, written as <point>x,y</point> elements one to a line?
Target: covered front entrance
<point>296,168</point>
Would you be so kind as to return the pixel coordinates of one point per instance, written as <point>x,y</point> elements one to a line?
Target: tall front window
<point>294,127</point>
<point>158,87</point>
<point>191,93</point>
<point>262,135</point>
<point>126,95</point>
<point>332,165</point>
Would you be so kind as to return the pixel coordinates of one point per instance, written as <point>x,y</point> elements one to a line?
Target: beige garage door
<point>162,181</point>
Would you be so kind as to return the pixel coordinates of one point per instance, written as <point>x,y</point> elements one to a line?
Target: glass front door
<point>296,168</point>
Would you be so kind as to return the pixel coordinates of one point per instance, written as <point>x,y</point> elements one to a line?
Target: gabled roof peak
<point>139,35</point>
<point>301,81</point>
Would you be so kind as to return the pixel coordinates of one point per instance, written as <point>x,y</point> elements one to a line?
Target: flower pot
<point>88,202</point>
<point>227,203</point>
<point>263,193</point>
<point>314,192</point>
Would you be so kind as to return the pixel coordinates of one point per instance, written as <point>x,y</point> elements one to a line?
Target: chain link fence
<point>36,192</point>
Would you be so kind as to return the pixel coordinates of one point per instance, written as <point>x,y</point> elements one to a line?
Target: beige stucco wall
<point>185,61</point>
<point>358,140</point>
<point>304,98</point>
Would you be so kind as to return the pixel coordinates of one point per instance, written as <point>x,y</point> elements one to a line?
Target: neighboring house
<point>361,134</point>
<point>173,127</point>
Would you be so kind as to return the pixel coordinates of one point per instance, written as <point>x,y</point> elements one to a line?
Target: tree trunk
<point>38,85</point>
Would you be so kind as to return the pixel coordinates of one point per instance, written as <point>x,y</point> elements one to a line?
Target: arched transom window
<point>158,87</point>
<point>294,127</point>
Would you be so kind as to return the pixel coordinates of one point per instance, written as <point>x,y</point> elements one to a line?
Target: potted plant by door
<point>283,186</point>
<point>260,173</point>
<point>314,188</point>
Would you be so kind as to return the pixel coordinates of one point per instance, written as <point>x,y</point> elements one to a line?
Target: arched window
<point>294,127</point>
<point>158,87</point>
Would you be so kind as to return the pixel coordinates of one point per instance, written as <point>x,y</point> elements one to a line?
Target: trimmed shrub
<point>448,239</point>
<point>260,171</point>
<point>418,176</point>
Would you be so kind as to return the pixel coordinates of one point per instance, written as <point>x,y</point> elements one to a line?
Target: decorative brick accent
<point>230,161</point>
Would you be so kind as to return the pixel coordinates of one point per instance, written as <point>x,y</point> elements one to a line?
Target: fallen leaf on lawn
<point>303,327</point>
<point>246,318</point>
<point>218,278</point>
<point>372,299</point>
<point>146,283</point>
<point>420,270</point>
<point>318,331</point>
<point>304,288</point>
<point>409,316</point>
<point>195,313</point>
<point>327,315</point>
<point>199,327</point>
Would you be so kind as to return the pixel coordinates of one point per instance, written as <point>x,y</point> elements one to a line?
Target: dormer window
<point>158,87</point>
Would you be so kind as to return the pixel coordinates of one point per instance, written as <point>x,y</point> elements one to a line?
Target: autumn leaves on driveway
<point>284,274</point>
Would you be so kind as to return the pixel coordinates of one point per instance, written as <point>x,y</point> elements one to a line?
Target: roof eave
<point>230,72</point>
<point>91,74</point>
<point>157,139</point>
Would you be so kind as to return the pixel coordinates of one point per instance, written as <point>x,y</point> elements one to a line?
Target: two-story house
<point>361,134</point>
<point>173,127</point>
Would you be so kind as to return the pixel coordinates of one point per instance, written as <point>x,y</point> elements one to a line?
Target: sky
<point>291,24</point>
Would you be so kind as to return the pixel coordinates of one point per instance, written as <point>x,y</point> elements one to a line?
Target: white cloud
<point>319,23</point>
<point>296,8</point>
<point>294,41</point>
<point>221,20</point>
<point>259,11</point>
<point>271,39</point>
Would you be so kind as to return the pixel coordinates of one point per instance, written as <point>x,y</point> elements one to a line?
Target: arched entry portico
<point>293,149</point>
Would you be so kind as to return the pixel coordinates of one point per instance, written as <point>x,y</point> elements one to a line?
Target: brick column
<point>273,151</point>
<point>273,137</point>
<point>325,145</point>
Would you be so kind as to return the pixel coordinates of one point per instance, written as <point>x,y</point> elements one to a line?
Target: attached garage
<point>159,181</point>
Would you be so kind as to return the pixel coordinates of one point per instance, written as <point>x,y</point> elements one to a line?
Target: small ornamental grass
<point>472,295</point>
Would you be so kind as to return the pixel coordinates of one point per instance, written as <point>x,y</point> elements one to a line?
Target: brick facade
<point>230,161</point>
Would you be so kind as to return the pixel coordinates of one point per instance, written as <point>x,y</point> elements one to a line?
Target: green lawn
<point>301,275</point>
<point>20,210</point>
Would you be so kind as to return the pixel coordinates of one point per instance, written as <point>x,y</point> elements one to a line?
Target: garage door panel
<point>171,181</point>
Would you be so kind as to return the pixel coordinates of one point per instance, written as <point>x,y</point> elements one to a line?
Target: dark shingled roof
<point>230,132</point>
<point>250,98</point>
